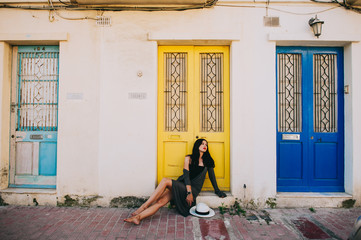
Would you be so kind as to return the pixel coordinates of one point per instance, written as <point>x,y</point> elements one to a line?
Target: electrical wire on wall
<point>71,6</point>
<point>277,9</point>
<point>53,10</point>
<point>343,4</point>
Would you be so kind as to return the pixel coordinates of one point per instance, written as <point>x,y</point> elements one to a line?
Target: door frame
<point>40,181</point>
<point>191,72</point>
<point>307,67</point>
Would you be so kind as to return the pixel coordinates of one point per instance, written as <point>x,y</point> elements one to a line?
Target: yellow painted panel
<point>217,153</point>
<point>174,153</point>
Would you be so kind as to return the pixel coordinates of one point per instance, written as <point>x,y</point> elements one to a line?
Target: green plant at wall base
<point>222,209</point>
<point>69,202</point>
<point>312,209</point>
<point>234,209</point>
<point>87,201</point>
<point>2,202</point>
<point>127,202</point>
<point>348,203</point>
<point>271,202</point>
<point>252,204</point>
<point>77,201</point>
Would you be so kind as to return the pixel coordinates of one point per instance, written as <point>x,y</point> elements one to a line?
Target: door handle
<point>200,137</point>
<point>13,106</point>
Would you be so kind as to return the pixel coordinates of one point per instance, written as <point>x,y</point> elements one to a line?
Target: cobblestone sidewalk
<point>20,222</point>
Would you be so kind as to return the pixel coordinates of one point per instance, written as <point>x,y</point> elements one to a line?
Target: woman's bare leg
<point>163,200</point>
<point>164,184</point>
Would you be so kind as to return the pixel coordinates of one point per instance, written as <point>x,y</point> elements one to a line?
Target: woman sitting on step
<point>181,192</point>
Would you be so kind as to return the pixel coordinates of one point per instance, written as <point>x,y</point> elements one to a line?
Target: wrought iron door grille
<point>289,92</point>
<point>211,92</point>
<point>175,92</point>
<point>37,91</point>
<point>325,92</point>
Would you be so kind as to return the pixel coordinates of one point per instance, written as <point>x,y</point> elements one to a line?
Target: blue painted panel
<point>325,161</point>
<point>291,188</point>
<point>40,136</point>
<point>290,160</point>
<point>324,188</point>
<point>32,186</point>
<point>38,48</point>
<point>47,159</point>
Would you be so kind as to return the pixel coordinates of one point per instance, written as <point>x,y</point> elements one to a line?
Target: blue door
<point>34,117</point>
<point>310,119</point>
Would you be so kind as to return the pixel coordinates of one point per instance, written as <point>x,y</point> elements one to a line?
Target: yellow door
<point>193,102</point>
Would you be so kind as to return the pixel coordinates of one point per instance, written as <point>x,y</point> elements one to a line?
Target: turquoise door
<point>310,116</point>
<point>34,117</point>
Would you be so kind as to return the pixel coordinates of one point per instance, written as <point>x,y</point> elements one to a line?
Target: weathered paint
<point>213,229</point>
<point>309,229</point>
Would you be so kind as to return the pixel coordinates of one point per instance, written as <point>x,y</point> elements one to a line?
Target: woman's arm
<point>212,177</point>
<point>187,180</point>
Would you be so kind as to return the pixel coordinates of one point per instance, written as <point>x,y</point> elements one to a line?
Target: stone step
<point>29,196</point>
<point>213,201</point>
<point>302,199</point>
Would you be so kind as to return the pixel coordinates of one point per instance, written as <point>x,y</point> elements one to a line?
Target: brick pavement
<point>21,222</point>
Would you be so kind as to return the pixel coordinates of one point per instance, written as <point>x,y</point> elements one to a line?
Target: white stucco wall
<point>107,141</point>
<point>5,112</point>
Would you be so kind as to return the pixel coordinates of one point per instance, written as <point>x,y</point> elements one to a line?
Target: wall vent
<point>271,21</point>
<point>103,21</point>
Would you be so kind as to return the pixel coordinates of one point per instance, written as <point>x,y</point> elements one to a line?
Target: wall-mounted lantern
<point>316,25</point>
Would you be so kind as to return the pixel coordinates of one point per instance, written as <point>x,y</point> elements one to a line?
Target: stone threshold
<point>28,191</point>
<point>312,199</point>
<point>29,196</point>
<point>211,193</point>
<point>313,195</point>
<point>213,201</point>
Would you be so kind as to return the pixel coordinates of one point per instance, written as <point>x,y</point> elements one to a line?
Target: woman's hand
<point>189,199</point>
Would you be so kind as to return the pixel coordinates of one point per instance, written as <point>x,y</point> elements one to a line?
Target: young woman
<point>183,191</point>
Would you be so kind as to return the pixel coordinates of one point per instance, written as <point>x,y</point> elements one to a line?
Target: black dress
<point>179,190</point>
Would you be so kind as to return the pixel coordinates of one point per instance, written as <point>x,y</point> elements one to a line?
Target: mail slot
<point>174,136</point>
<point>290,136</point>
<point>36,136</point>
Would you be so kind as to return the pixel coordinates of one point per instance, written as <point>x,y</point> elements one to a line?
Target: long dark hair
<point>207,159</point>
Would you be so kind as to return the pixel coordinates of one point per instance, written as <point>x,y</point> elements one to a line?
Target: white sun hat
<point>201,210</point>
